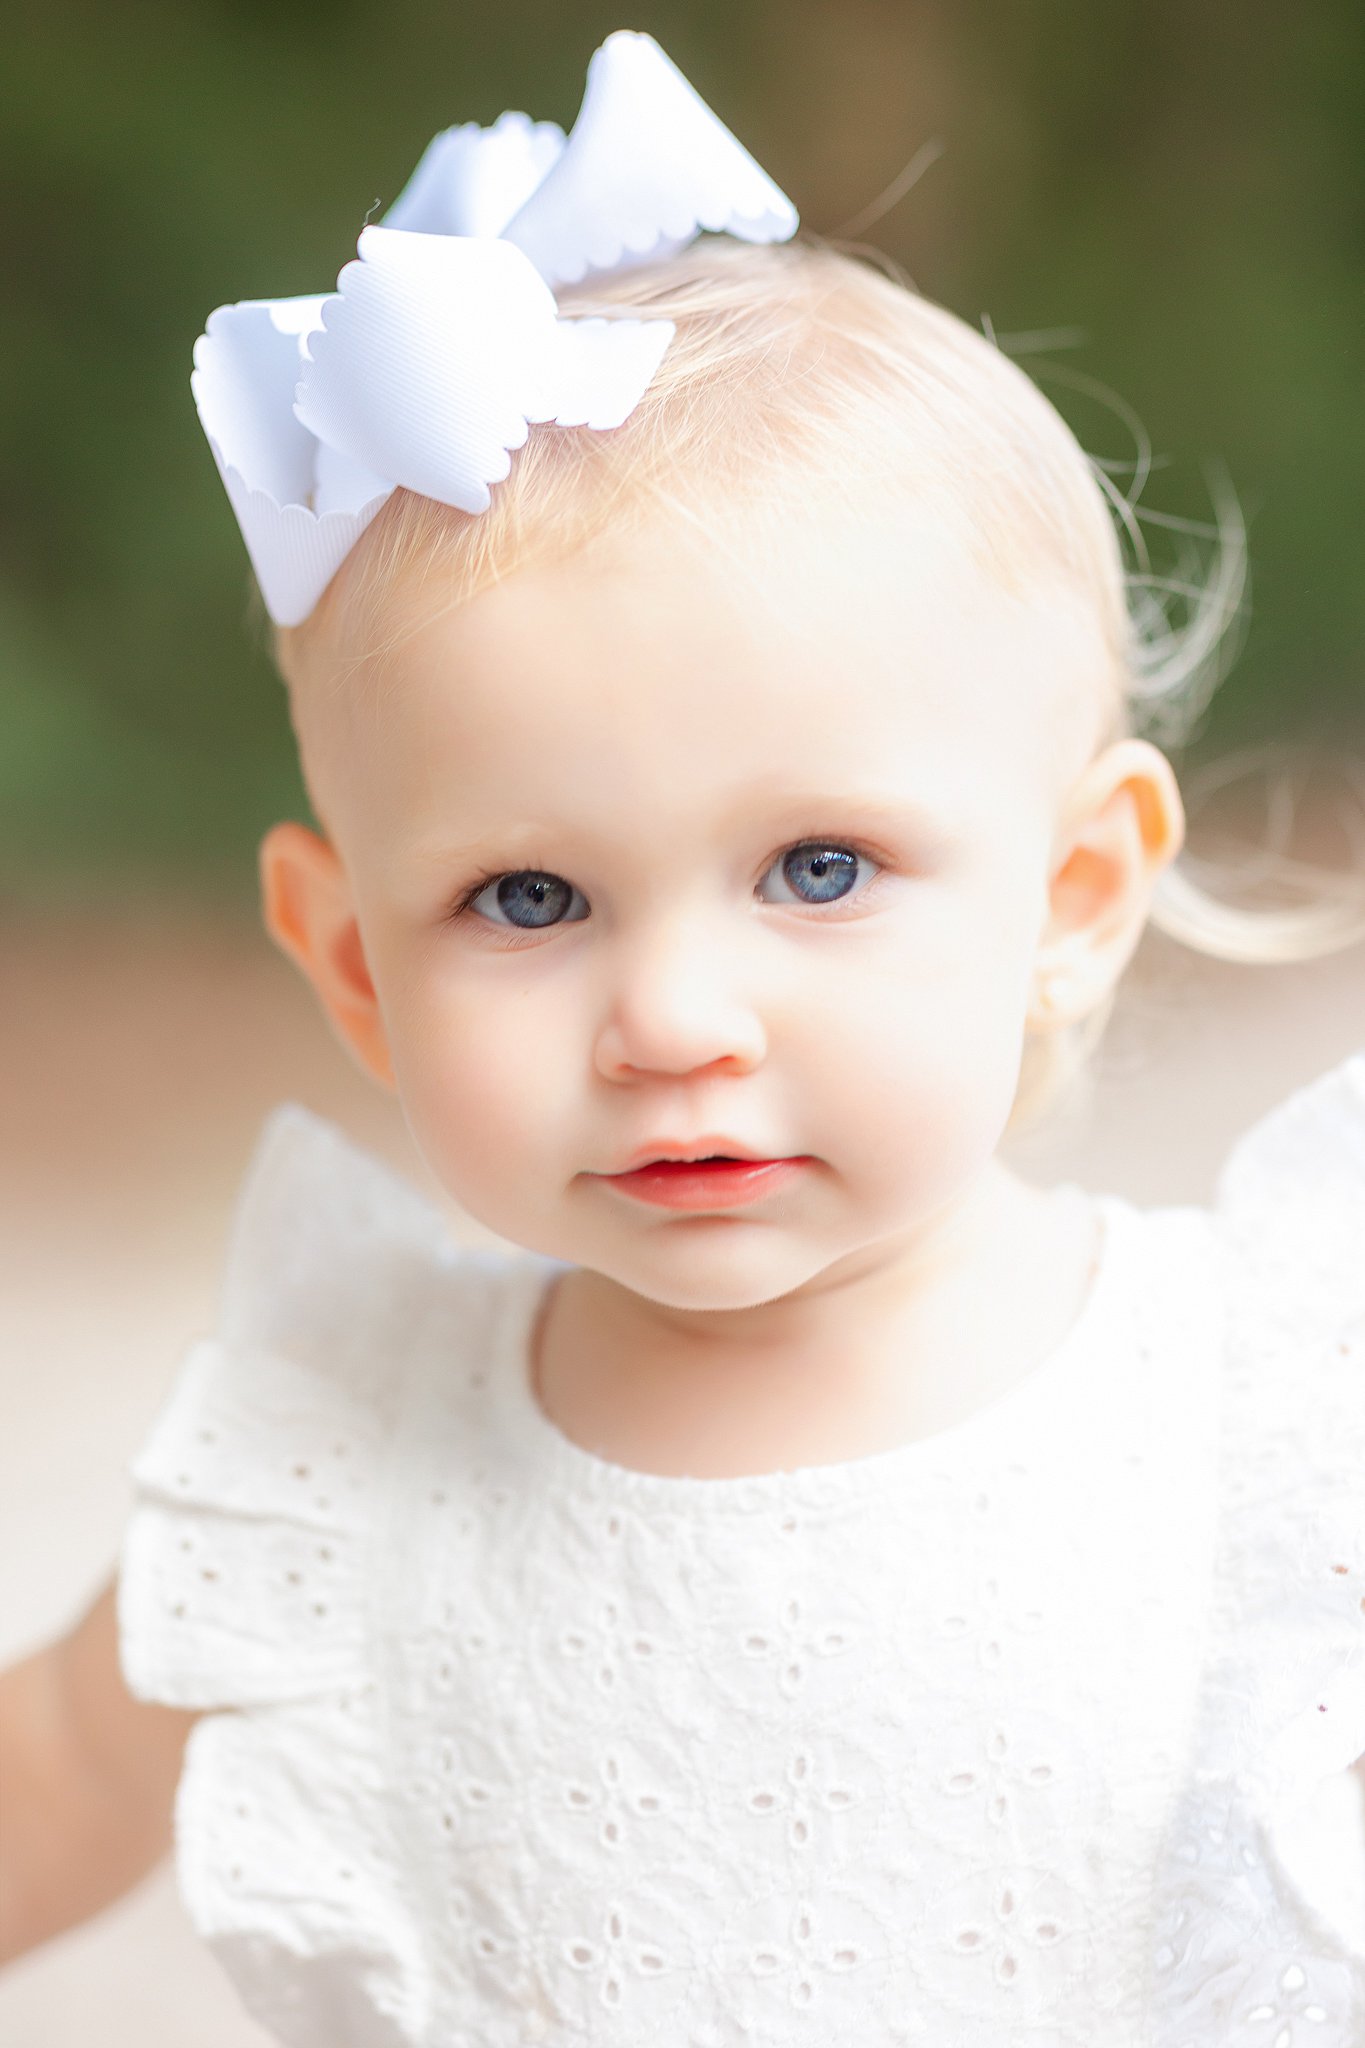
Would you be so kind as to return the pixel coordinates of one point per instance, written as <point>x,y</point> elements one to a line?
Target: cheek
<point>917,1046</point>
<point>485,1079</point>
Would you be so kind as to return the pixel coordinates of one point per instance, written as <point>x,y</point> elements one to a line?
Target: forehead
<point>668,672</point>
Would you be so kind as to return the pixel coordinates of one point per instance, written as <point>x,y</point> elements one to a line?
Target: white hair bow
<point>443,343</point>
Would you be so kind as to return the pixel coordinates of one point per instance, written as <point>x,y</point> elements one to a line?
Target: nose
<point>674,1007</point>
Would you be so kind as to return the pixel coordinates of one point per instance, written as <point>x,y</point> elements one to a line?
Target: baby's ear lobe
<point>1122,823</point>
<point>309,912</point>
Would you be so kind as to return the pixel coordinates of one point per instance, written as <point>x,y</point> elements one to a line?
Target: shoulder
<point>332,1254</point>
<point>1289,1209</point>
<point>1311,1144</point>
<point>1289,1234</point>
<point>247,1559</point>
<point>1288,1624</point>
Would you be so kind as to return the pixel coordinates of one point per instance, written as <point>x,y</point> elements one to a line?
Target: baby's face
<point>676,846</point>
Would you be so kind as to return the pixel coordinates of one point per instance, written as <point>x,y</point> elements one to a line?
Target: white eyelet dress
<point>984,1742</point>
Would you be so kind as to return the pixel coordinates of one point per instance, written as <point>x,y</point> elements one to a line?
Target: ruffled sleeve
<point>248,1587</point>
<point>1291,1216</point>
<point>1248,1947</point>
<point>245,1562</point>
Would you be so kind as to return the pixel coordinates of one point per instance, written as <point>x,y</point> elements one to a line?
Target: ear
<point>1122,823</point>
<point>310,914</point>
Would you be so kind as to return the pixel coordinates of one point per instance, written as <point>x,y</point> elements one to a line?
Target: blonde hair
<point>799,374</point>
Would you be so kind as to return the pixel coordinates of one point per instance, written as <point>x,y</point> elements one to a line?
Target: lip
<point>705,1183</point>
<point>688,1151</point>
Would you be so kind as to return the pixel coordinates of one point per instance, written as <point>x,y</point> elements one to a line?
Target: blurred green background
<point>1182,184</point>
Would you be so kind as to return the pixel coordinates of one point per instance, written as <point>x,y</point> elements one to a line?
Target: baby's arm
<point>87,1782</point>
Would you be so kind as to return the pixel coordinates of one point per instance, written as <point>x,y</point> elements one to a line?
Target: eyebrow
<point>891,807</point>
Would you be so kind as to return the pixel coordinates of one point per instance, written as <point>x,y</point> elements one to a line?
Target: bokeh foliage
<point>1184,184</point>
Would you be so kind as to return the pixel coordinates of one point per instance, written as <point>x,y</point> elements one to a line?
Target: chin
<point>711,1269</point>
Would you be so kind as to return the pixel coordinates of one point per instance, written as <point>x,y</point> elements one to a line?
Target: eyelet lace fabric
<point>980,1743</point>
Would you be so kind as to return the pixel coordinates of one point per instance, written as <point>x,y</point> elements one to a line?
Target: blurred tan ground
<point>137,1058</point>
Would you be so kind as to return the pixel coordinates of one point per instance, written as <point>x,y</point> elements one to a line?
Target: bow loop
<point>471,180</point>
<point>246,369</point>
<point>646,167</point>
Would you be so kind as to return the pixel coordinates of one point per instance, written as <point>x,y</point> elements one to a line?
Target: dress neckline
<point>1090,1334</point>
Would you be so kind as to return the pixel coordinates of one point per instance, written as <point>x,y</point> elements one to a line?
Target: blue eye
<point>816,873</point>
<point>529,900</point>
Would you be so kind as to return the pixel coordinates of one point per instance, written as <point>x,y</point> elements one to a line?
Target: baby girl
<point>813,1586</point>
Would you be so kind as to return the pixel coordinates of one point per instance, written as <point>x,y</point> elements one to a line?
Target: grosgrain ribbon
<point>443,343</point>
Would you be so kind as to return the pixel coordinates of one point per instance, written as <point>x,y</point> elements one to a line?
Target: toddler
<point>813,1587</point>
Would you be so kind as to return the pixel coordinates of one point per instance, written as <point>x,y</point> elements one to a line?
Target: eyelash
<point>510,934</point>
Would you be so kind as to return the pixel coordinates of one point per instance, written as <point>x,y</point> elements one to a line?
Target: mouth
<point>707,1180</point>
<point>708,1151</point>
